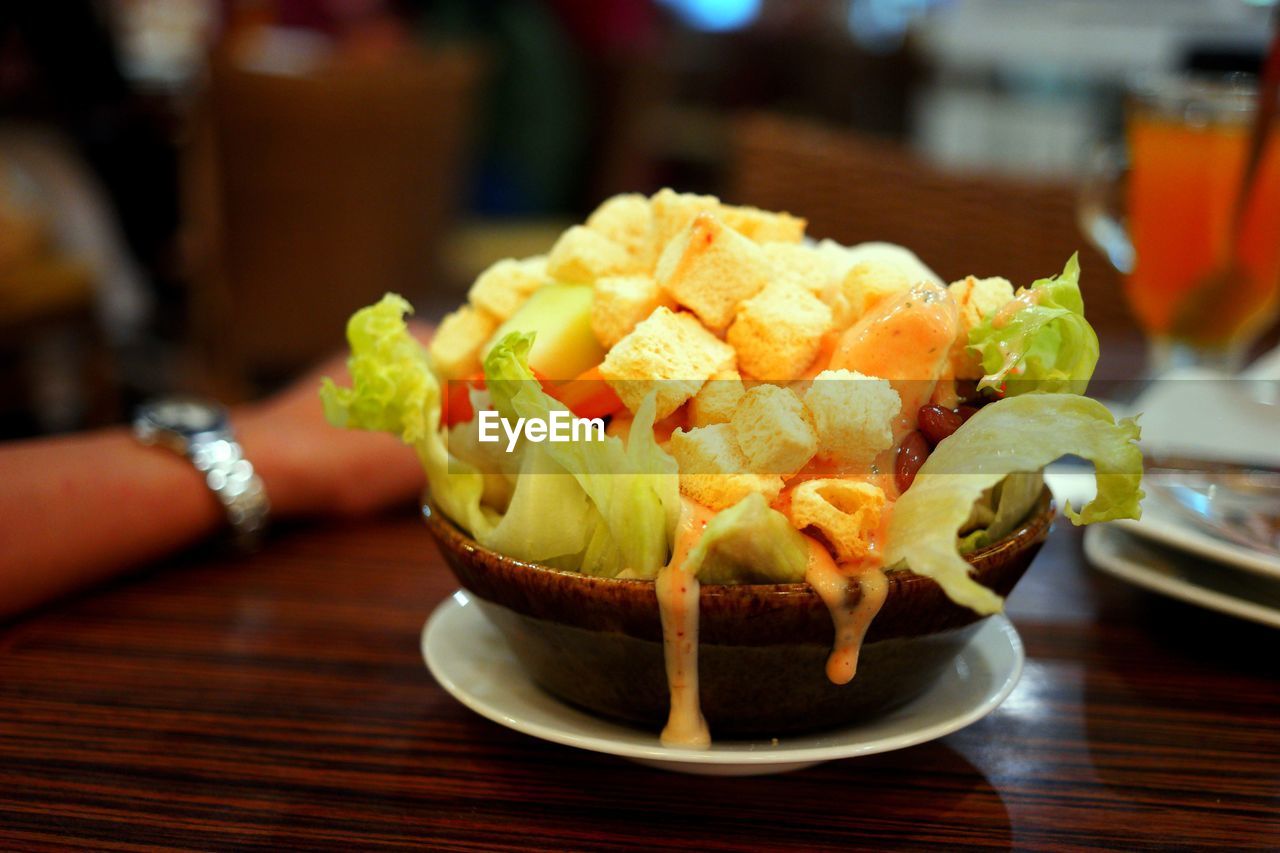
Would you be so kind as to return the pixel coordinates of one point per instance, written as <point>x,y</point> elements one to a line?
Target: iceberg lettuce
<point>633,486</point>
<point>1016,434</point>
<point>1046,345</point>
<point>393,390</point>
<point>749,543</point>
<point>1000,509</point>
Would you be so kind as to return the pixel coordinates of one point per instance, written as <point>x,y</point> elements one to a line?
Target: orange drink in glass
<point>1202,270</point>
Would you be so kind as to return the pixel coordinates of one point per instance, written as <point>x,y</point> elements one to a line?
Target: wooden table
<point>281,702</point>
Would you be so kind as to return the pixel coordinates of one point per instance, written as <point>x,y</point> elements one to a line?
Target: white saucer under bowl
<point>471,660</point>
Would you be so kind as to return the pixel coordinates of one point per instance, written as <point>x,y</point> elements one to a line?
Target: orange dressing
<point>677,592</point>
<point>1025,299</point>
<point>850,614</point>
<point>907,340</point>
<point>678,598</point>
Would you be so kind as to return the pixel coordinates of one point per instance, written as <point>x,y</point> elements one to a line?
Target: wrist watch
<point>201,431</point>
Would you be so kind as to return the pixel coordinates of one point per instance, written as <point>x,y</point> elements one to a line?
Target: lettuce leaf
<point>1011,435</point>
<point>393,390</point>
<point>633,486</point>
<point>1047,346</point>
<point>749,543</point>
<point>530,531</point>
<point>1005,504</point>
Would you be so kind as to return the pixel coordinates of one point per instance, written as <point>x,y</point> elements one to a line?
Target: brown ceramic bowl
<point>597,642</point>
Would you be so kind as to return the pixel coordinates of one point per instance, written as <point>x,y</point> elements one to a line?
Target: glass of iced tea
<point>1201,260</point>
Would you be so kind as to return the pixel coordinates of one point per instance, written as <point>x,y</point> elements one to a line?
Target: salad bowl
<point>597,642</point>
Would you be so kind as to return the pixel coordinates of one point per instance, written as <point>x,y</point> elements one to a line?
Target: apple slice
<point>559,315</point>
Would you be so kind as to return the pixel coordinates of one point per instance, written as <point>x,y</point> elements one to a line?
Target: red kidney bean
<point>965,411</point>
<point>937,423</point>
<point>911,455</point>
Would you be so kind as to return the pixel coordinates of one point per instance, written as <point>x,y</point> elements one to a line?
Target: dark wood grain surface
<point>280,702</point>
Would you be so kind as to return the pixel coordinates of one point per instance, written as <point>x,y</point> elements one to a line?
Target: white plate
<point>1184,577</point>
<point>470,659</point>
<point>1165,525</point>
<point>1161,523</point>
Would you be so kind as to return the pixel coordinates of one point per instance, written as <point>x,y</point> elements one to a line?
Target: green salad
<point>790,392</point>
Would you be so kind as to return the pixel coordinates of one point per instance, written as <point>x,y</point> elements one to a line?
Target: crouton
<point>846,511</point>
<point>672,212</point>
<point>763,226</point>
<point>670,353</point>
<point>774,430</point>
<point>874,271</point>
<point>713,471</point>
<point>976,298</point>
<point>626,220</point>
<point>905,261</point>
<point>979,297</point>
<point>852,414</point>
<point>504,286</point>
<point>801,265</point>
<point>622,301</point>
<point>709,268</point>
<point>582,255</point>
<point>455,349</point>
<point>865,286</point>
<point>715,401</point>
<point>777,332</point>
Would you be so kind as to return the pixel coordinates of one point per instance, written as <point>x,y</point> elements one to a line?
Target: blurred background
<point>195,194</point>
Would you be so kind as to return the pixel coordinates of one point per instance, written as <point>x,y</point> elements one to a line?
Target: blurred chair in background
<point>854,189</point>
<point>310,195</point>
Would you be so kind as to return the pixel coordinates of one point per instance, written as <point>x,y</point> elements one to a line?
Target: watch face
<point>186,415</point>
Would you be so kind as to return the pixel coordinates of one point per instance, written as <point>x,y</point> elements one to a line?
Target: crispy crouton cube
<point>762,225</point>
<point>626,220</point>
<point>504,286</point>
<point>774,430</point>
<point>669,353</point>
<point>622,301</point>
<point>673,212</point>
<point>709,268</point>
<point>874,272</point>
<point>865,286</point>
<point>713,471</point>
<point>852,414</point>
<point>979,297</point>
<point>846,511</point>
<point>801,265</point>
<point>778,331</point>
<point>582,255</point>
<point>715,401</point>
<point>455,349</point>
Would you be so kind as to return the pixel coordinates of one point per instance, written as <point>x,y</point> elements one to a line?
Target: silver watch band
<point>236,485</point>
<point>199,430</point>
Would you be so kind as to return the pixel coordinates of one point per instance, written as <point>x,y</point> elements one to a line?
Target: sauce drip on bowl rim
<point>851,614</point>
<point>853,593</point>
<point>678,593</point>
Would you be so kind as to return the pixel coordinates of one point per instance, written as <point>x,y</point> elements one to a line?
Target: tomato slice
<point>455,407</point>
<point>587,396</point>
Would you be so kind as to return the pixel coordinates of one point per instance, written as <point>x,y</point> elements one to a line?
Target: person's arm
<point>78,509</point>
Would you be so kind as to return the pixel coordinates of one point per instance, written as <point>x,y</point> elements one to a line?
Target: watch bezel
<point>151,417</point>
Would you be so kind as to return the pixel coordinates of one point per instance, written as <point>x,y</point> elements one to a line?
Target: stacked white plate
<point>1165,553</point>
<point>1207,416</point>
